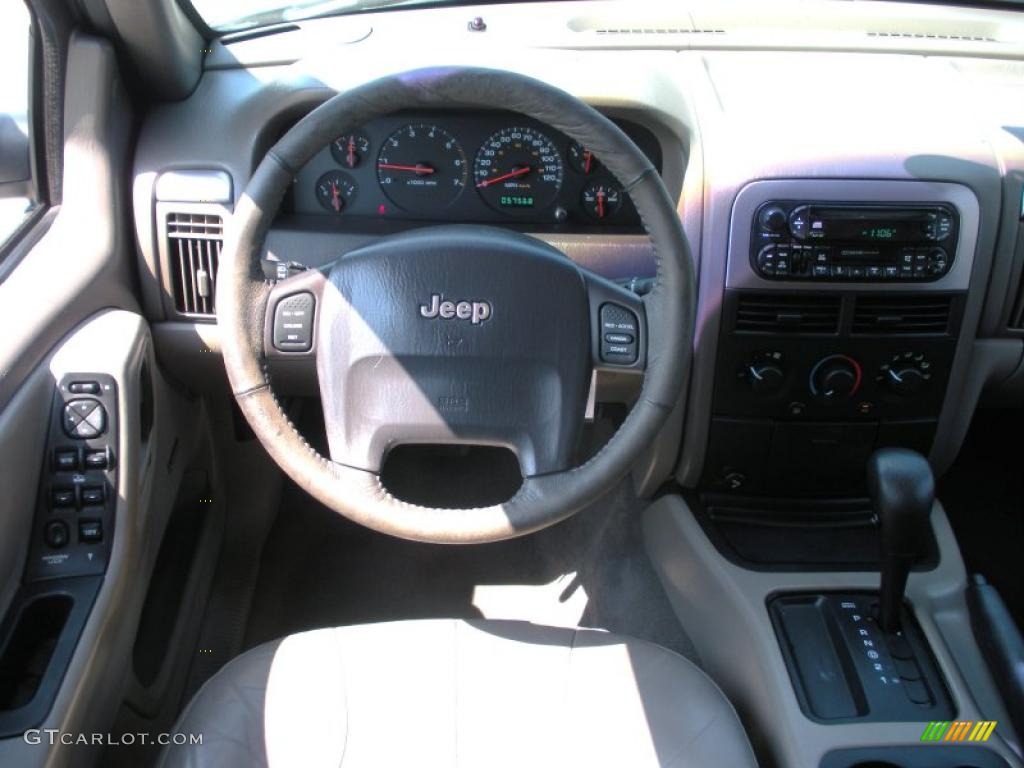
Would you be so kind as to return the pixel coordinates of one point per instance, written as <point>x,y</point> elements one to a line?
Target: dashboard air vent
<point>888,315</point>
<point>657,31</point>
<point>787,314</point>
<point>194,242</point>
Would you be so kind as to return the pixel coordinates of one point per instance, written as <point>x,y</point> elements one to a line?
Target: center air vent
<point>888,315</point>
<point>194,242</point>
<point>775,313</point>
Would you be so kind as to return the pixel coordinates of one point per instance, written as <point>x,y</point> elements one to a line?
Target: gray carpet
<point>319,570</point>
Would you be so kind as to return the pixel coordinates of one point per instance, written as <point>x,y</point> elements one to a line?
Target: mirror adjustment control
<point>293,323</point>
<point>619,332</point>
<point>84,419</point>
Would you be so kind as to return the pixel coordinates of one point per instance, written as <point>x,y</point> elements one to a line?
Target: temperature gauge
<point>350,149</point>
<point>601,200</point>
<point>581,159</point>
<point>335,191</point>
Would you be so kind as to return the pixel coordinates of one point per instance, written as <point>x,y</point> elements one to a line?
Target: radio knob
<point>835,377</point>
<point>773,219</point>
<point>765,378</point>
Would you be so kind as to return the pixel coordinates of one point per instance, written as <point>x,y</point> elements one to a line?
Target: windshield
<point>234,15</point>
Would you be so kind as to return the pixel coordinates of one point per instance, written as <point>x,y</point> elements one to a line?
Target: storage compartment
<point>923,756</point>
<point>37,639</point>
<point>28,652</point>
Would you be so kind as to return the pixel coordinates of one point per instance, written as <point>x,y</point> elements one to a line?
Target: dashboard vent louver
<point>888,315</point>
<point>657,31</point>
<point>194,241</point>
<point>787,314</point>
<point>932,36</point>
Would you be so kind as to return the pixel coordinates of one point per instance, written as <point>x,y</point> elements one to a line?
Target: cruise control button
<point>293,323</point>
<point>618,338</point>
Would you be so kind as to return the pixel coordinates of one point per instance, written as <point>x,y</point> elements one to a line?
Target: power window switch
<point>96,459</point>
<point>62,497</point>
<point>65,459</point>
<point>92,495</point>
<point>90,531</point>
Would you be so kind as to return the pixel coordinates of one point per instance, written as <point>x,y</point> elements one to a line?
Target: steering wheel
<point>455,334</point>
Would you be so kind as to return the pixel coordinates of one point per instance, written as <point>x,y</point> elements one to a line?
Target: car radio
<point>800,240</point>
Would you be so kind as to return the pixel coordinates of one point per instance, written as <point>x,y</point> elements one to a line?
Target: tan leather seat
<point>460,693</point>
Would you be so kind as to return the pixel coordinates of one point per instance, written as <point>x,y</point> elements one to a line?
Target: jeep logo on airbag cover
<point>474,311</point>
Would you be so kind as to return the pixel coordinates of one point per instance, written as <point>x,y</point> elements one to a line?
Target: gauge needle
<point>521,171</point>
<point>600,203</point>
<point>420,168</point>
<point>351,152</point>
<point>335,197</point>
<point>588,156</point>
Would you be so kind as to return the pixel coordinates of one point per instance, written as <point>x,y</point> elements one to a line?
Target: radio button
<point>782,266</point>
<point>874,272</point>
<point>857,272</point>
<point>838,270</point>
<point>821,270</point>
<point>892,273</point>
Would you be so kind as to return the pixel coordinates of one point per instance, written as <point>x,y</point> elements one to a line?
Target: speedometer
<point>518,170</point>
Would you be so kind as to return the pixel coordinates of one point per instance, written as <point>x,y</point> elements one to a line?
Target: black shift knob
<point>902,489</point>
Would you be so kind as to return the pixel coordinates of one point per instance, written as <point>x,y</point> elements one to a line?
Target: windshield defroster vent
<point>194,242</point>
<point>888,315</point>
<point>769,312</point>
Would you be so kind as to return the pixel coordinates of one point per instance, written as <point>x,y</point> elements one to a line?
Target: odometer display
<point>518,170</point>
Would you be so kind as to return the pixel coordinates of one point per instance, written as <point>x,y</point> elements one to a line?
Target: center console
<point>840,319</point>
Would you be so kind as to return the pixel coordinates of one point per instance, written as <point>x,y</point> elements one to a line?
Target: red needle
<point>351,152</point>
<point>422,169</point>
<point>600,203</point>
<point>335,197</point>
<point>587,157</point>
<point>510,175</point>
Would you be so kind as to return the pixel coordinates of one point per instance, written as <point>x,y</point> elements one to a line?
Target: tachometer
<point>518,170</point>
<point>422,168</point>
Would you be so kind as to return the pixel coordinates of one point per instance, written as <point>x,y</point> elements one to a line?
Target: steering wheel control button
<point>90,531</point>
<point>65,459</point>
<point>56,534</point>
<point>293,323</point>
<point>619,329</point>
<point>84,419</point>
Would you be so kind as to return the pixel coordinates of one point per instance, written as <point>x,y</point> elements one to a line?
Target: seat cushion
<point>460,693</point>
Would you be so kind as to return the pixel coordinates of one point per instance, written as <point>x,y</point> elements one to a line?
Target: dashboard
<point>478,167</point>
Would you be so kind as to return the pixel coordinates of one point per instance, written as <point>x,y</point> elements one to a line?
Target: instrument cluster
<point>468,167</point>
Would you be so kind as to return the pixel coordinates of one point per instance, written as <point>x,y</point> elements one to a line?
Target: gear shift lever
<point>902,490</point>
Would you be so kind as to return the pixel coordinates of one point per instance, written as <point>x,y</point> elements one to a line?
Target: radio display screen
<point>874,226</point>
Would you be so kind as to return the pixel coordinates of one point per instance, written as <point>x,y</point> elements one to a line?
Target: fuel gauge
<point>601,199</point>
<point>335,190</point>
<point>350,150</point>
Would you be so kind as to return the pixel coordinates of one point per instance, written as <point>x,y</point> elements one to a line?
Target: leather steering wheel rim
<point>243,292</point>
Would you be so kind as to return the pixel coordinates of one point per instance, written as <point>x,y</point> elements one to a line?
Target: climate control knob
<point>905,374</point>
<point>765,378</point>
<point>835,377</point>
